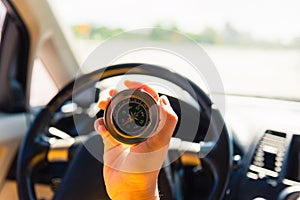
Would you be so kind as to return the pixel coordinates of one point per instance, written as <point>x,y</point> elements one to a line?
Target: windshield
<point>254,44</point>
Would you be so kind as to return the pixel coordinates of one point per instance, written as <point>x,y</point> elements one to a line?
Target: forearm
<point>131,186</point>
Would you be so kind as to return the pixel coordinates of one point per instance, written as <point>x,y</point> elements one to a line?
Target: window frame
<point>14,52</point>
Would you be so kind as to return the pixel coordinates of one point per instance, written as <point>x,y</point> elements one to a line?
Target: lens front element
<point>131,116</point>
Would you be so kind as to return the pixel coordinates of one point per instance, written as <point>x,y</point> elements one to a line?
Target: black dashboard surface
<point>266,138</point>
<point>266,135</point>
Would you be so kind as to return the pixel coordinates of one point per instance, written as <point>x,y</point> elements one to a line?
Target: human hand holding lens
<point>131,171</point>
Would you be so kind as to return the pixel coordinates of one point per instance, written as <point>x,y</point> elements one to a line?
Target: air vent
<point>269,155</point>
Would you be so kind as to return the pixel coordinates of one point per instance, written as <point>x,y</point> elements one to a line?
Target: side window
<point>42,87</point>
<point>2,18</point>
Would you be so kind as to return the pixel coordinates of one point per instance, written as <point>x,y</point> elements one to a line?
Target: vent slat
<point>269,155</point>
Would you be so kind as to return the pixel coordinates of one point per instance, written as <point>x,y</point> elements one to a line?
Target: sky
<point>264,19</point>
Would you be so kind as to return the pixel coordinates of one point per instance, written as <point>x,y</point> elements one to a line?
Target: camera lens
<point>131,116</point>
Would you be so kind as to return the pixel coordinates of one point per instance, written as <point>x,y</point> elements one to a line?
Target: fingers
<point>108,140</point>
<point>168,121</point>
<point>141,86</point>
<point>105,97</point>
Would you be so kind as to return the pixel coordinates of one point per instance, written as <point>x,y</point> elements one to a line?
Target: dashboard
<point>266,136</point>
<point>266,151</point>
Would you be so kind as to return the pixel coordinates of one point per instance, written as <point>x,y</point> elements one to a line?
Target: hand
<point>131,171</point>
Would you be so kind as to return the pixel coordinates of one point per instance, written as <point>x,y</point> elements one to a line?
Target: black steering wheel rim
<point>31,154</point>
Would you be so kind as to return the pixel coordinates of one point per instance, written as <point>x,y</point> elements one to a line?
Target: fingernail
<point>97,126</point>
<point>165,100</point>
<point>111,93</point>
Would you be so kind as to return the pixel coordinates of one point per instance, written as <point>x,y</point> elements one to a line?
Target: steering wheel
<point>83,176</point>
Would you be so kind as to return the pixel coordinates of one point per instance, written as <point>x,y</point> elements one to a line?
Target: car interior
<point>229,143</point>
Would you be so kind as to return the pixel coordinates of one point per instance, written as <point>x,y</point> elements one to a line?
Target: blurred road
<point>259,72</point>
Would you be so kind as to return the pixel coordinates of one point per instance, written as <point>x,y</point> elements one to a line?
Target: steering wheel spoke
<point>63,150</point>
<point>59,149</point>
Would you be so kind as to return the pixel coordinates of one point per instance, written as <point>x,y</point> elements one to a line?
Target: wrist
<point>147,194</point>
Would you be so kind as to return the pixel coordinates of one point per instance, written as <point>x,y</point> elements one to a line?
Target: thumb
<point>108,140</point>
